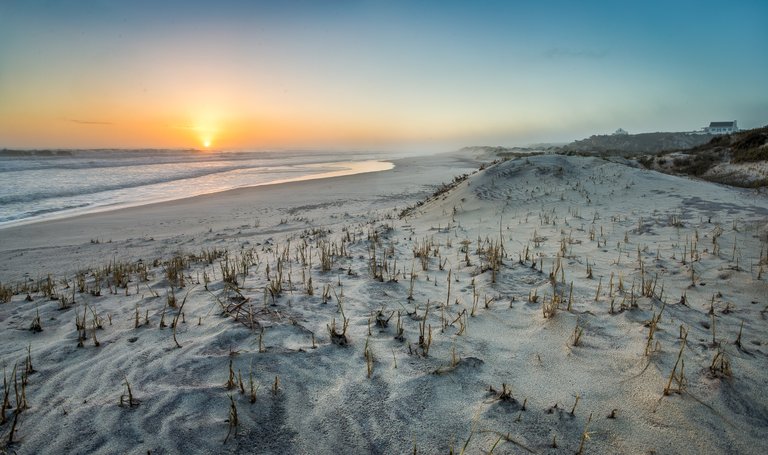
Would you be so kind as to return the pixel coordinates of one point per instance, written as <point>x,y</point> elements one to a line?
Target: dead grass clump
<point>549,308</point>
<point>382,320</point>
<point>229,271</point>
<point>131,401</point>
<point>174,271</point>
<point>505,394</point>
<point>721,365</point>
<point>6,293</point>
<point>326,256</point>
<point>36,326</point>
<point>339,337</point>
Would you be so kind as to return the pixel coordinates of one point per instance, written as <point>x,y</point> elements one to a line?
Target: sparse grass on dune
<point>615,314</point>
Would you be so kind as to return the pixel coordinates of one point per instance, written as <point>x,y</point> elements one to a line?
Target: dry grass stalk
<point>128,394</point>
<point>573,409</point>
<point>577,333</point>
<point>584,436</point>
<point>399,329</point>
<point>425,337</point>
<point>368,354</point>
<point>36,326</point>
<point>276,386</point>
<point>599,288</point>
<point>252,388</point>
<point>652,327</point>
<point>6,397</point>
<point>176,319</point>
<point>232,420</point>
<point>738,338</point>
<point>677,377</point>
<point>231,384</point>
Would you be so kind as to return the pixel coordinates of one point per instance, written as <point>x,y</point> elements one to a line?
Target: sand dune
<point>547,304</point>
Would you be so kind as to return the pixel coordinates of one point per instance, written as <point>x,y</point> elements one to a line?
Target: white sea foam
<point>57,184</point>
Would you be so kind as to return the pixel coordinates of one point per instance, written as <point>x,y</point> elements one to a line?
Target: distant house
<point>620,132</point>
<point>721,127</point>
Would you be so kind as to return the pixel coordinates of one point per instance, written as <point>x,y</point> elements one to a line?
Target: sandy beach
<point>226,219</point>
<point>543,304</point>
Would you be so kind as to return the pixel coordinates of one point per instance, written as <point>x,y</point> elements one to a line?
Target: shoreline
<point>344,168</point>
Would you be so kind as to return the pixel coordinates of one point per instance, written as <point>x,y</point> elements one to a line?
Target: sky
<point>373,74</point>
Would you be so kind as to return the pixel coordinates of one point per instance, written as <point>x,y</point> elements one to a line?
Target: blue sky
<point>374,73</point>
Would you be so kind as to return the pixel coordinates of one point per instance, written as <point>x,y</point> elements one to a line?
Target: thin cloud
<point>560,52</point>
<point>88,122</point>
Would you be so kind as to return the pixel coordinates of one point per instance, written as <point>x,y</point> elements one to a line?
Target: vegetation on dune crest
<point>715,160</point>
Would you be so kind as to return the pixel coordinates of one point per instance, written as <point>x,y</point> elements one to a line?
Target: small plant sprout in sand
<point>28,362</point>
<point>576,403</point>
<point>577,333</point>
<point>261,341</point>
<point>252,388</point>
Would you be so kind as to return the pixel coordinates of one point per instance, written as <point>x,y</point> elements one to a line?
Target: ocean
<point>47,184</point>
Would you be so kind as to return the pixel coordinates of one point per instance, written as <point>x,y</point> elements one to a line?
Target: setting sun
<point>206,143</point>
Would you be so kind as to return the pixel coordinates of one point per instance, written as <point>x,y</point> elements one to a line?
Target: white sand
<point>326,402</point>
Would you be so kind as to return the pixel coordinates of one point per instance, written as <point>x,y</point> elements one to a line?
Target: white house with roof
<point>721,127</point>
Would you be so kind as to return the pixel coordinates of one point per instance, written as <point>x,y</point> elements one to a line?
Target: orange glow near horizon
<point>134,127</point>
